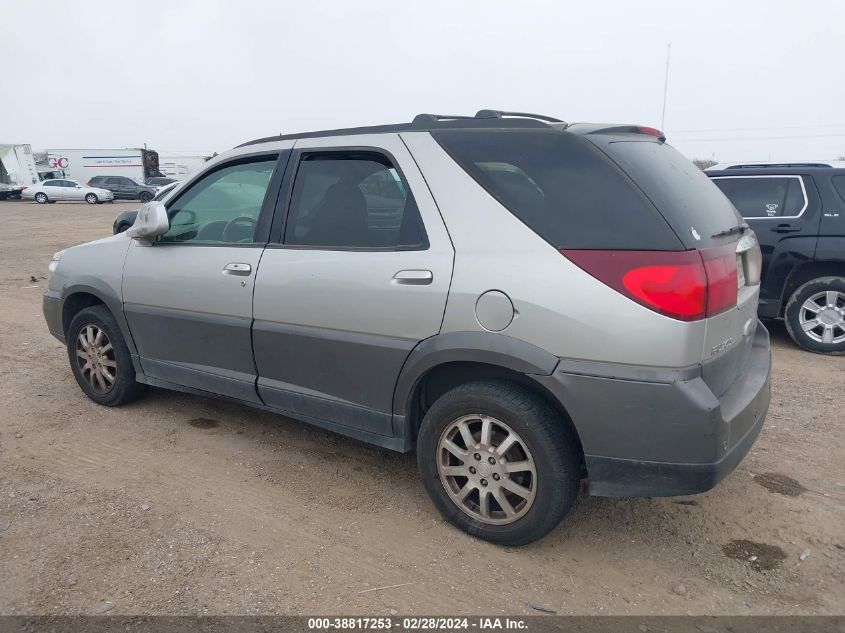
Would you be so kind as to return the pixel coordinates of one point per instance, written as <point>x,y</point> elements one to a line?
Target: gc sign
<point>57,163</point>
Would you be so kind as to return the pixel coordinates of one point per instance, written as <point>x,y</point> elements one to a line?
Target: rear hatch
<point>634,213</point>
<point>705,220</point>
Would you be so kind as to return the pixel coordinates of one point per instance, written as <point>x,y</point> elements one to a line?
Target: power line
<point>757,138</point>
<point>758,129</point>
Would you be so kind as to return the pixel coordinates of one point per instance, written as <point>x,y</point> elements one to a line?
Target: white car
<point>66,190</point>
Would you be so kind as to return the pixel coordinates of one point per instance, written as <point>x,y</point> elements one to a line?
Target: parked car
<point>66,190</point>
<point>159,181</point>
<point>126,219</point>
<point>124,188</point>
<point>10,192</point>
<point>797,211</point>
<point>520,300</point>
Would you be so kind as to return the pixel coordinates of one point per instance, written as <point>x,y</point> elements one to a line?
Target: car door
<point>53,189</point>
<point>113,184</point>
<point>188,297</point>
<point>72,190</point>
<point>356,275</point>
<point>784,212</point>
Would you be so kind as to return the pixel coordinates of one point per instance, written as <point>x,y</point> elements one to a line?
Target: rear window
<point>562,187</point>
<point>693,206</point>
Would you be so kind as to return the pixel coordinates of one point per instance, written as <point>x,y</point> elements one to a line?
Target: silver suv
<point>524,302</point>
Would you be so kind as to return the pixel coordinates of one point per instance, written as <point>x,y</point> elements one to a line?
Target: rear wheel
<point>498,462</point>
<point>99,358</point>
<point>41,198</point>
<point>91,198</point>
<point>815,315</point>
<point>145,196</point>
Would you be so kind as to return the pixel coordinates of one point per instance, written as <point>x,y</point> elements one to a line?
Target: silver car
<point>65,190</point>
<point>525,303</point>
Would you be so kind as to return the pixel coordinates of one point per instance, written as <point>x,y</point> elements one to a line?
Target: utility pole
<point>665,87</point>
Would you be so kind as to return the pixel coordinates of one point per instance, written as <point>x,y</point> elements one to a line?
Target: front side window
<point>764,196</point>
<point>51,183</point>
<point>223,207</point>
<point>352,200</point>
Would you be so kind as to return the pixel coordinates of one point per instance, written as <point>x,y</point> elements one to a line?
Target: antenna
<point>665,86</point>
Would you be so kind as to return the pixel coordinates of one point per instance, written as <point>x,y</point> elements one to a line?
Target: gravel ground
<point>178,504</point>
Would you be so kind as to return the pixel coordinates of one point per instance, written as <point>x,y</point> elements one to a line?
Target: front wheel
<point>91,198</point>
<point>815,315</point>
<point>99,358</point>
<point>498,462</point>
<point>41,198</point>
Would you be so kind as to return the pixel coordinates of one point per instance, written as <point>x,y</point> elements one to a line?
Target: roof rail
<point>498,114</point>
<point>776,165</point>
<point>434,118</point>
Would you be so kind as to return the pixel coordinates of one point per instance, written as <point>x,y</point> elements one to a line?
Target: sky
<point>748,80</point>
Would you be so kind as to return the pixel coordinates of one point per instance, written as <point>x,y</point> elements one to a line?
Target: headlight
<point>54,262</point>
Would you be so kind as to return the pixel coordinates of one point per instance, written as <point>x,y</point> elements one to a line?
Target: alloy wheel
<point>486,469</point>
<point>822,317</point>
<point>95,358</point>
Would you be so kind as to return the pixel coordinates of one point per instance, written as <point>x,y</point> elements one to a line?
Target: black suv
<point>797,211</point>
<point>124,188</point>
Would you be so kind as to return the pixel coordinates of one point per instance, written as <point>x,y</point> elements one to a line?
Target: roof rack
<point>776,165</point>
<point>490,119</point>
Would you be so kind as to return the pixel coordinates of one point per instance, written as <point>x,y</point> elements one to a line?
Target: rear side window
<point>681,192</point>
<point>561,187</point>
<point>839,184</point>
<point>352,200</point>
<point>765,196</point>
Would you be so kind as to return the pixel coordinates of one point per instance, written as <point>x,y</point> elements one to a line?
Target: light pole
<point>665,87</point>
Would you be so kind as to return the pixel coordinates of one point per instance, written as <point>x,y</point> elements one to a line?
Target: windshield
<point>165,191</point>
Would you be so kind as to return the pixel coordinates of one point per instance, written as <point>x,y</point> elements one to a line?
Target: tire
<point>122,227</point>
<point>113,359</point>
<point>92,198</point>
<point>41,198</point>
<point>544,441</point>
<point>811,303</point>
<point>145,197</point>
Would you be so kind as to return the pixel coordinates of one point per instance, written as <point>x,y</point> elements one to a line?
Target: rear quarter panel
<point>559,307</point>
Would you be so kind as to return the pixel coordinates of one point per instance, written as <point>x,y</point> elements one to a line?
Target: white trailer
<point>17,165</point>
<point>180,166</point>
<point>83,164</point>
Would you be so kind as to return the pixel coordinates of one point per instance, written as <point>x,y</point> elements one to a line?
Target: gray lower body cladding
<point>664,433</point>
<point>52,308</point>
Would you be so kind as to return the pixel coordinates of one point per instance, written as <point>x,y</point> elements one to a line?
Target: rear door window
<point>562,187</point>
<point>352,200</point>
<point>765,196</point>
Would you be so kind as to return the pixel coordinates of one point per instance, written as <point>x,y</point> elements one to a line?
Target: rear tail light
<point>88,184</point>
<point>684,285</point>
<point>651,131</point>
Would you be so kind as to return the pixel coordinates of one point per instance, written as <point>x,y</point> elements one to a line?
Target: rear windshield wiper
<point>732,230</point>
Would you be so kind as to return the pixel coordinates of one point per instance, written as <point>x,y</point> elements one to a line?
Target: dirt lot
<point>179,504</point>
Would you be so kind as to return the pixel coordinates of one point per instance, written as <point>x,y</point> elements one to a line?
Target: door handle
<point>413,277</point>
<point>786,228</point>
<point>236,268</point>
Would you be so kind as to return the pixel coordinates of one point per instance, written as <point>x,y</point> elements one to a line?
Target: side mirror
<point>150,222</point>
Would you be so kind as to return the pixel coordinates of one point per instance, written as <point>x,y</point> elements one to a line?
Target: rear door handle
<point>237,268</point>
<point>413,277</point>
<point>786,228</point>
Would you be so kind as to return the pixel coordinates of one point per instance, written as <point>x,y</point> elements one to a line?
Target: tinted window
<point>839,184</point>
<point>223,207</point>
<point>113,181</point>
<point>680,190</point>
<point>764,197</point>
<point>67,183</point>
<point>51,183</point>
<point>352,200</point>
<point>562,187</point>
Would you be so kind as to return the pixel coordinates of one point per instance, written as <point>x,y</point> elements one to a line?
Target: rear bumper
<point>657,433</point>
